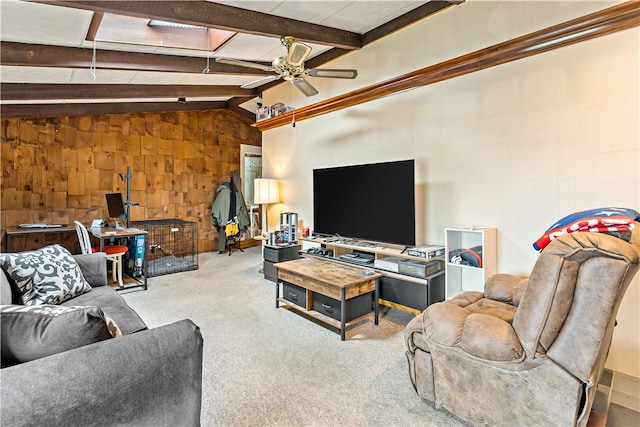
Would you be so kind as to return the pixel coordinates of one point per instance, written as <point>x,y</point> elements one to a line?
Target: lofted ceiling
<point>52,62</point>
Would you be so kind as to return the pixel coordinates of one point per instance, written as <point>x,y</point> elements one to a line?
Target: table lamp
<point>265,192</point>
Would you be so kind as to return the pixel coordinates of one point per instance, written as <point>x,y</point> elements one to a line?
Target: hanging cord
<point>293,115</point>
<point>92,69</point>
<point>207,69</point>
<point>293,99</point>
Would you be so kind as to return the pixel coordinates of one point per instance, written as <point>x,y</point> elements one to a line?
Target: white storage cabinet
<point>460,278</point>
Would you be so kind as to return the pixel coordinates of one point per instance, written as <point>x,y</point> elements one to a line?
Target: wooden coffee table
<point>331,279</point>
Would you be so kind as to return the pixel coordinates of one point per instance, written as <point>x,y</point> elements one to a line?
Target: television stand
<point>404,292</point>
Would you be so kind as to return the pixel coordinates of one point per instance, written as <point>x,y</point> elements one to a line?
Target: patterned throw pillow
<point>32,332</point>
<point>47,276</point>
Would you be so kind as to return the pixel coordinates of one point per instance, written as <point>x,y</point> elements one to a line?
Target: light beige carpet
<point>271,367</point>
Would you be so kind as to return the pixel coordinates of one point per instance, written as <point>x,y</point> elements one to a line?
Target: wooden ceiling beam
<point>34,55</point>
<point>607,21</point>
<point>233,104</point>
<point>215,15</point>
<point>30,91</point>
<point>408,18</point>
<point>91,109</point>
<point>96,21</point>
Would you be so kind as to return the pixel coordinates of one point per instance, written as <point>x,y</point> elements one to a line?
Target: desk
<point>16,231</point>
<point>103,234</point>
<point>321,279</point>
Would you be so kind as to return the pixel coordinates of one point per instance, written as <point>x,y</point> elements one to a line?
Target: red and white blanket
<point>595,220</point>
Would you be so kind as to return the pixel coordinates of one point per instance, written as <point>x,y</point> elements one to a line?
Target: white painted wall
<point>516,146</point>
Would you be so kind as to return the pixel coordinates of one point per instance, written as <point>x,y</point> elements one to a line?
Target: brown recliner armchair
<point>529,351</point>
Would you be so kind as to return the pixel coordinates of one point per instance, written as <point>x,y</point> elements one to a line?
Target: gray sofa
<point>146,377</point>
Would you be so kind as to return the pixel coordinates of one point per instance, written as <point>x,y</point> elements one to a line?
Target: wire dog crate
<point>171,245</point>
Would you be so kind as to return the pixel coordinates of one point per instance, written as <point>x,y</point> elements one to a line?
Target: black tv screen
<point>371,202</point>
<point>115,205</point>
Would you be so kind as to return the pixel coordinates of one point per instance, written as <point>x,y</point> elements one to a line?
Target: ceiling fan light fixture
<point>290,67</point>
<point>298,52</point>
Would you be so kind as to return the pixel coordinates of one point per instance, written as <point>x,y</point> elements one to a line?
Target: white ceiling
<point>36,23</point>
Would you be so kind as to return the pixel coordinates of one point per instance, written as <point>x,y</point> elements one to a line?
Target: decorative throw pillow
<point>32,332</point>
<point>47,276</point>
<point>601,220</point>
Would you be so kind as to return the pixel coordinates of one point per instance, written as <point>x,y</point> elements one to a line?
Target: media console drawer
<point>281,253</point>
<point>270,271</point>
<point>356,307</point>
<point>417,296</point>
<point>274,254</point>
<point>294,294</point>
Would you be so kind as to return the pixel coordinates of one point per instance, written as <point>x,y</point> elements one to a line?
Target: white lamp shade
<point>265,190</point>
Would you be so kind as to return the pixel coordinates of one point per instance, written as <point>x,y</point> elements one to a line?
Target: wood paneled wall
<point>57,170</point>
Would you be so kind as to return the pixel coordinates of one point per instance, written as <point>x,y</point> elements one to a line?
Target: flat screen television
<point>373,202</point>
<point>115,205</point>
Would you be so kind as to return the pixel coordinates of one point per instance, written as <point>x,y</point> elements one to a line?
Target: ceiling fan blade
<point>335,73</point>
<point>304,86</point>
<point>298,52</point>
<point>260,82</point>
<point>247,64</point>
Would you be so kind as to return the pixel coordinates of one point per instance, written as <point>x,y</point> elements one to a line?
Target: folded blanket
<point>601,220</point>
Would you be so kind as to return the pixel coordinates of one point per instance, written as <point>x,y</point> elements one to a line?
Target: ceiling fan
<point>291,67</point>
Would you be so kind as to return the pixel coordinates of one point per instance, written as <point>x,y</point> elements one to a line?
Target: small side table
<point>278,253</point>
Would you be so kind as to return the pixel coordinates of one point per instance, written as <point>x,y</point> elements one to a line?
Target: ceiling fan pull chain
<point>92,69</point>
<point>293,115</point>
